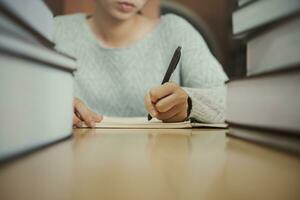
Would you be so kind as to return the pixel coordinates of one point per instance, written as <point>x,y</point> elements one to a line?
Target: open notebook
<point>142,123</point>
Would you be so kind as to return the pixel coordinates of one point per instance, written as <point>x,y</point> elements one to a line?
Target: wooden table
<point>152,164</point>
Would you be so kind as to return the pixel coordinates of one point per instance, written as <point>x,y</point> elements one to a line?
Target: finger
<point>85,114</point>
<point>170,113</point>
<point>162,91</point>
<point>97,118</point>
<point>76,121</point>
<point>167,103</point>
<point>179,117</point>
<point>77,114</point>
<point>149,105</point>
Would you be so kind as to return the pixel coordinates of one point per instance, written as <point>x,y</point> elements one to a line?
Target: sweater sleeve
<point>208,105</point>
<point>202,77</point>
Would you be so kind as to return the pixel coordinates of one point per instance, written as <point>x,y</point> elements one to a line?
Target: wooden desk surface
<point>152,164</point>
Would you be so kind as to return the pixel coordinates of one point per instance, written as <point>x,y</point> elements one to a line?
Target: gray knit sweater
<point>113,81</point>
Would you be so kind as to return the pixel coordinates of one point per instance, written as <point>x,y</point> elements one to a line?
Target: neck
<point>112,32</point>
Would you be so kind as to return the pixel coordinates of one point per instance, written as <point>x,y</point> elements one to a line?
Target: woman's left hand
<point>167,102</point>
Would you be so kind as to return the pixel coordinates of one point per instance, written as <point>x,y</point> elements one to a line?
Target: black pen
<point>171,69</point>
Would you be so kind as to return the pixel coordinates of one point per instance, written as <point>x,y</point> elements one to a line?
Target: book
<point>143,123</point>
<point>10,27</point>
<point>269,101</point>
<point>260,13</point>
<point>276,49</point>
<point>36,103</point>
<point>10,44</point>
<point>274,140</point>
<point>244,2</point>
<point>33,15</point>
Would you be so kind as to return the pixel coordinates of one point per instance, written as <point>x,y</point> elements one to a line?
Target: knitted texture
<point>114,81</point>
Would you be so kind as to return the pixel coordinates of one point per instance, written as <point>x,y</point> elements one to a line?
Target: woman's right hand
<point>82,114</point>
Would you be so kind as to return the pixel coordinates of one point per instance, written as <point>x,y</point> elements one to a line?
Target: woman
<point>122,57</point>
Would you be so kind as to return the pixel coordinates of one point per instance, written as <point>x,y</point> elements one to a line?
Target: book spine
<point>269,101</point>
<point>245,2</point>
<point>275,49</point>
<point>36,104</point>
<point>277,141</point>
<point>35,13</point>
<point>260,13</point>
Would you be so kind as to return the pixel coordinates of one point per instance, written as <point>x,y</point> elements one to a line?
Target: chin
<point>122,16</point>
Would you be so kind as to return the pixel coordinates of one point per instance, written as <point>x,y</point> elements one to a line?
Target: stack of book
<point>264,106</point>
<point>36,82</point>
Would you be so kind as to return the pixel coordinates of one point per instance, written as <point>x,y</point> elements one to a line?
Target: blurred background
<point>214,15</point>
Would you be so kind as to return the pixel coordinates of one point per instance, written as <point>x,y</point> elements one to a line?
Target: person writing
<point>122,57</point>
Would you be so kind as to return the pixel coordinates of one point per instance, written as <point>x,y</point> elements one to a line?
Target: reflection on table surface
<point>152,164</point>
